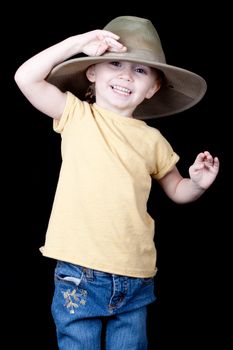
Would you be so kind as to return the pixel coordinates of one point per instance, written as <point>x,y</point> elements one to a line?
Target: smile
<point>121,90</point>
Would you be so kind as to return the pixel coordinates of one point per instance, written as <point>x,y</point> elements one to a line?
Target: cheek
<point>155,87</point>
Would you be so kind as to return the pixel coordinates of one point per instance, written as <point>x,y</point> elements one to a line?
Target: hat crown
<point>139,36</point>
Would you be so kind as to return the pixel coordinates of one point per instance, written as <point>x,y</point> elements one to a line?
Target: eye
<point>140,70</point>
<point>115,63</point>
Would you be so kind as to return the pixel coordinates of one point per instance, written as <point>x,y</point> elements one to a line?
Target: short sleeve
<point>69,111</point>
<point>165,157</point>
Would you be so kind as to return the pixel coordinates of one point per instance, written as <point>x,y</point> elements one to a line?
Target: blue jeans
<point>83,298</point>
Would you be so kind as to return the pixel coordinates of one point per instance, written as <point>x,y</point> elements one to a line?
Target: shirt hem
<point>99,267</point>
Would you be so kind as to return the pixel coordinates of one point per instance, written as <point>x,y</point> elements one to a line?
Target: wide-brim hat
<point>182,90</point>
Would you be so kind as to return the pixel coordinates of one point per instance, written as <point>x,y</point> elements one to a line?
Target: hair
<point>90,93</point>
<point>161,78</point>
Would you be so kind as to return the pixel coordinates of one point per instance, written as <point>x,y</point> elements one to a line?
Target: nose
<point>126,74</point>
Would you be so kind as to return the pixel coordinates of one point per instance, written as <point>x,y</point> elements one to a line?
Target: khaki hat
<point>182,90</point>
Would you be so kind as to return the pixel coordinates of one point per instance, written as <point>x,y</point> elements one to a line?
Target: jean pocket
<point>68,289</point>
<point>68,274</point>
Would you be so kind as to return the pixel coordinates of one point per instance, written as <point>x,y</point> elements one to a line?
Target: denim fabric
<point>84,297</point>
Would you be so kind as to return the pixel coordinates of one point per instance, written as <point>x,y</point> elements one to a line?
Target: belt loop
<point>88,273</point>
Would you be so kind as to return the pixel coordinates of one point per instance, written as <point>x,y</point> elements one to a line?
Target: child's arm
<point>30,76</point>
<point>202,174</point>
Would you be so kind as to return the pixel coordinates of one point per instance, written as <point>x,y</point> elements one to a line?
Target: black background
<point>193,240</point>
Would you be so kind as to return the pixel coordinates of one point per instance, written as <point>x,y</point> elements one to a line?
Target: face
<point>121,86</point>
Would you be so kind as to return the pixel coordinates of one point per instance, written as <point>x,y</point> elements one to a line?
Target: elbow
<point>22,80</point>
<point>19,78</point>
<point>184,198</point>
<point>22,77</point>
<point>178,200</point>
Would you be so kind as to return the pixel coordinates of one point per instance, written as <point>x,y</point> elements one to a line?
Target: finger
<point>206,153</point>
<point>216,163</point>
<point>198,166</point>
<point>114,44</point>
<point>102,47</point>
<point>106,33</point>
<point>200,158</point>
<point>211,162</point>
<point>110,43</point>
<point>117,49</point>
<point>208,160</point>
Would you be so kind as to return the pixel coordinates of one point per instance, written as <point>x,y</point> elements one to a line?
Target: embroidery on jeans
<point>74,299</point>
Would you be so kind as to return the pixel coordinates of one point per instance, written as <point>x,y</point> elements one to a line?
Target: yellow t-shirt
<point>99,217</point>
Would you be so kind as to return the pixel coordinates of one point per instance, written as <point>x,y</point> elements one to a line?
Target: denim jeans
<point>83,298</point>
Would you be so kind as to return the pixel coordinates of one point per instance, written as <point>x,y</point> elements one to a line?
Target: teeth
<point>121,89</point>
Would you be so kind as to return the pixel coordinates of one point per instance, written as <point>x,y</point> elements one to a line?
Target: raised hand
<point>96,42</point>
<point>204,169</point>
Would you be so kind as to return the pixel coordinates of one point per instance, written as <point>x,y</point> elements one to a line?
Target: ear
<point>90,73</point>
<point>156,86</point>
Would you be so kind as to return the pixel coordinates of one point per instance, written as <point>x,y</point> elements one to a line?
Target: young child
<point>99,230</point>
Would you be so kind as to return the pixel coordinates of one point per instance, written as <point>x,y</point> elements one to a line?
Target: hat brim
<point>183,88</point>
